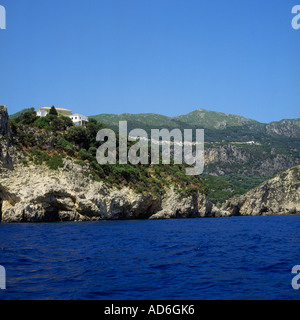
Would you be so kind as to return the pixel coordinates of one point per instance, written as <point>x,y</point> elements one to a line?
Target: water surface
<point>218,258</point>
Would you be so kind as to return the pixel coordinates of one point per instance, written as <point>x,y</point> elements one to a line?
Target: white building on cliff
<point>78,119</point>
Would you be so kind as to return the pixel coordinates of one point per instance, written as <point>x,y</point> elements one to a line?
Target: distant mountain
<point>214,120</point>
<point>200,118</point>
<point>240,153</point>
<point>17,114</point>
<point>219,126</point>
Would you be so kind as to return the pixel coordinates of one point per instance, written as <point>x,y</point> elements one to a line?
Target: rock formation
<point>38,194</point>
<point>278,195</point>
<point>6,137</point>
<point>34,193</point>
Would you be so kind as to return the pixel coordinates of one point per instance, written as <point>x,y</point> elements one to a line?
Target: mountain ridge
<point>204,119</point>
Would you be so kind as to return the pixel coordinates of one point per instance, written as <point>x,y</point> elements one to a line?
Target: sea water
<point>197,259</point>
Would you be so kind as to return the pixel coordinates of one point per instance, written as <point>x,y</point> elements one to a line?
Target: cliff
<point>6,141</point>
<point>31,192</point>
<point>38,194</point>
<point>247,159</point>
<point>279,195</point>
<point>42,180</point>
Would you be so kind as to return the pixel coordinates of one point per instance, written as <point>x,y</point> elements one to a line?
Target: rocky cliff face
<point>279,195</point>
<point>287,128</point>
<point>246,159</point>
<point>37,194</point>
<point>6,141</point>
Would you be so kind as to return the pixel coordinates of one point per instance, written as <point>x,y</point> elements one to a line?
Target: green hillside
<point>236,166</point>
<point>18,114</point>
<point>218,126</point>
<point>214,120</point>
<point>199,118</point>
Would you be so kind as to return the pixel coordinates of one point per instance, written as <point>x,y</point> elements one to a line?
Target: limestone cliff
<point>279,195</point>
<point>34,193</point>
<point>38,194</point>
<point>247,159</point>
<point>6,138</point>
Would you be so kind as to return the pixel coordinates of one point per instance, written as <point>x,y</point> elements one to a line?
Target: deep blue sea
<point>194,259</point>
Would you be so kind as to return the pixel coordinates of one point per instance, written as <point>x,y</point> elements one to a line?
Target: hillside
<point>279,195</point>
<point>218,126</point>
<point>232,164</point>
<point>240,153</point>
<point>58,160</point>
<point>53,139</point>
<point>48,172</point>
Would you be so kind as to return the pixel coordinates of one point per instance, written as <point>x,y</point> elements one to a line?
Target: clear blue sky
<point>162,56</point>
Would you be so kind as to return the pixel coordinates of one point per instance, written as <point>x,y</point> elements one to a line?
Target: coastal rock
<point>278,195</point>
<point>233,158</point>
<point>38,194</point>
<point>6,141</point>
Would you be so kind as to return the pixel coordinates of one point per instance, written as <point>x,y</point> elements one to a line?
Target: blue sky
<point>162,56</point>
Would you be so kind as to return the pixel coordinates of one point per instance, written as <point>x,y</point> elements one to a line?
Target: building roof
<point>58,109</point>
<point>78,114</point>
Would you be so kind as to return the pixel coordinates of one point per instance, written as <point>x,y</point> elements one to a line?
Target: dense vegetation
<point>51,139</point>
<point>219,127</point>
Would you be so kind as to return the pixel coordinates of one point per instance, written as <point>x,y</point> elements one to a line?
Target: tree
<point>27,117</point>
<point>53,111</point>
<point>78,136</point>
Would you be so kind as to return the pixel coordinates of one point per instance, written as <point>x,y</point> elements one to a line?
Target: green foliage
<point>53,111</point>
<point>43,123</point>
<point>55,162</point>
<point>84,155</point>
<point>77,135</point>
<point>80,144</point>
<point>51,122</point>
<point>26,118</point>
<point>67,121</point>
<point>17,114</point>
<point>225,187</point>
<point>64,145</point>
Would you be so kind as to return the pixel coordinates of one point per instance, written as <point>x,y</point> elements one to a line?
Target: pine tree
<point>53,111</point>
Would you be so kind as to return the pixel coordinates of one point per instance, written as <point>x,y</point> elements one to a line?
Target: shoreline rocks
<point>278,195</point>
<point>38,194</point>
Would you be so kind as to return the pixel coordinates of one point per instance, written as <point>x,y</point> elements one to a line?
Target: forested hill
<point>240,153</point>
<point>219,126</point>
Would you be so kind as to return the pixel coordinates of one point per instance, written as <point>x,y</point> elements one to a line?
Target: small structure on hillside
<point>42,112</point>
<point>78,119</point>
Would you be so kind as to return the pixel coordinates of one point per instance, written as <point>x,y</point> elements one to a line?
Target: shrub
<point>28,117</point>
<point>55,162</point>
<point>84,155</point>
<point>42,123</point>
<point>78,135</point>
<point>53,111</point>
<point>63,144</point>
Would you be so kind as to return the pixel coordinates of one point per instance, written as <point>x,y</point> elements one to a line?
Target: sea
<point>236,258</point>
